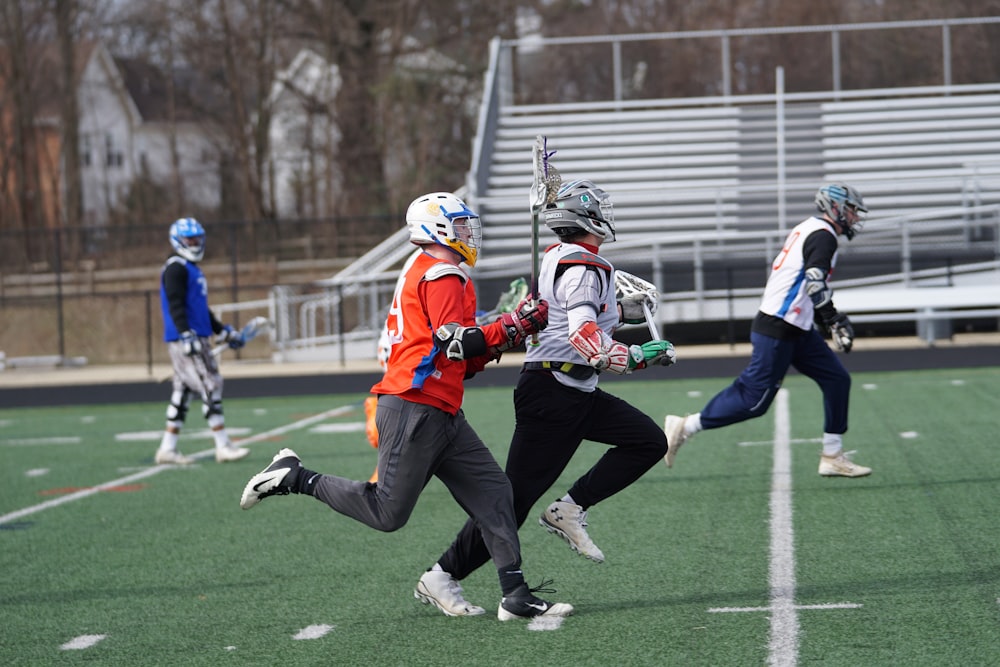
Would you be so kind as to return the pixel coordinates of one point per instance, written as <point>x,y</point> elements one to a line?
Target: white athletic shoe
<point>841,466</point>
<point>171,457</point>
<point>444,592</point>
<point>230,453</point>
<point>673,426</point>
<point>569,521</point>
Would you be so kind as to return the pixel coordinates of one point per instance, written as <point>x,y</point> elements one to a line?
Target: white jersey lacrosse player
<point>796,297</point>
<point>188,326</point>
<point>557,402</point>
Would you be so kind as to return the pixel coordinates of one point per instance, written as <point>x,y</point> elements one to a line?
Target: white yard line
<point>784,642</point>
<point>149,472</point>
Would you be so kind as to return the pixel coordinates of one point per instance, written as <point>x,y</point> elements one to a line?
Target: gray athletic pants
<point>415,442</point>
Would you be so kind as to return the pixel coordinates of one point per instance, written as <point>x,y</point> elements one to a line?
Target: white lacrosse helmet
<point>581,205</point>
<point>187,236</point>
<point>444,219</point>
<point>844,205</point>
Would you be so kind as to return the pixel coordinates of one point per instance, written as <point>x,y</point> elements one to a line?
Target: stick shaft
<point>650,323</point>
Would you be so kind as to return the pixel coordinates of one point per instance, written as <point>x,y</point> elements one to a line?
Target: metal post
<point>340,325</point>
<point>149,333</point>
<point>835,56</point>
<point>616,66</point>
<point>727,74</point>
<point>946,53</point>
<point>779,111</point>
<point>59,296</point>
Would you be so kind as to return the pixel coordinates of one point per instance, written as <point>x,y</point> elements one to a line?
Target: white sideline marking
<point>830,605</point>
<point>36,472</point>
<point>155,470</point>
<point>869,387</point>
<point>82,642</point>
<point>909,435</point>
<point>56,440</point>
<point>88,419</point>
<point>957,383</point>
<point>546,623</point>
<point>312,632</point>
<point>193,435</point>
<point>757,443</point>
<point>349,427</point>
<point>784,644</point>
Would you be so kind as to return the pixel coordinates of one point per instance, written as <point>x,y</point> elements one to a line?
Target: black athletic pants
<point>552,421</point>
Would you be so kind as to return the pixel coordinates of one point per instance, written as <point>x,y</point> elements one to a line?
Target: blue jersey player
<point>188,328</point>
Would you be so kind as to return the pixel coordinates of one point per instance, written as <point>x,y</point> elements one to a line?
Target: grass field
<point>161,567</point>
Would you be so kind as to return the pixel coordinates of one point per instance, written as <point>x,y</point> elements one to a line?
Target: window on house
<point>113,154</point>
<point>85,151</point>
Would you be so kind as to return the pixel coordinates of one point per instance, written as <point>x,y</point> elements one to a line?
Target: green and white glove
<point>651,353</point>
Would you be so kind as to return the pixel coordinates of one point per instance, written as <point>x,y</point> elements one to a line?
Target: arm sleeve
<point>217,326</point>
<point>175,289</point>
<point>580,289</point>
<point>818,250</point>
<point>817,253</point>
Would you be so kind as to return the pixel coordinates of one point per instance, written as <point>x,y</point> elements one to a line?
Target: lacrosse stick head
<point>627,284</point>
<point>547,179</point>
<point>255,327</point>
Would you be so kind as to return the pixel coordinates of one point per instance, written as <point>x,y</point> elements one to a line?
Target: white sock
<point>169,442</point>
<point>218,426</point>
<point>437,568</point>
<point>569,499</point>
<point>692,424</point>
<point>833,443</point>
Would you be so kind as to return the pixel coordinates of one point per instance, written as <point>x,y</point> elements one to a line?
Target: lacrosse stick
<point>507,302</point>
<point>627,284</point>
<point>544,190</point>
<point>250,330</point>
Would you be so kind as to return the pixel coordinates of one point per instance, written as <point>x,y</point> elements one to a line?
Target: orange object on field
<point>370,430</point>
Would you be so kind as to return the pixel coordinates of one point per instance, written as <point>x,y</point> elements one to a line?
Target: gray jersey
<point>579,286</point>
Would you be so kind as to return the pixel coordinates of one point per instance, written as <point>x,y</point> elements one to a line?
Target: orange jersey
<point>429,294</point>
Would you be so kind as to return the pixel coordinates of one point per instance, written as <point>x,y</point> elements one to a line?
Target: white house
<point>304,179</point>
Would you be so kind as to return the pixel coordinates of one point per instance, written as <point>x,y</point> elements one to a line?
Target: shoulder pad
<point>585,258</point>
<point>442,269</point>
<point>176,259</point>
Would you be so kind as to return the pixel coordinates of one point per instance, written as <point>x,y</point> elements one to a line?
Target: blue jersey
<point>194,301</point>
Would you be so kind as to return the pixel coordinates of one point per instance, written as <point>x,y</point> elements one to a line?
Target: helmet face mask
<point>581,205</point>
<point>443,219</point>
<point>842,204</point>
<point>187,237</point>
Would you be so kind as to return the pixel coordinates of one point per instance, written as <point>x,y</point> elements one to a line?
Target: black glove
<point>191,343</point>
<point>842,333</point>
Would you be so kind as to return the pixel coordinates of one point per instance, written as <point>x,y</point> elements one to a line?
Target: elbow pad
<point>459,343</point>
<point>817,289</point>
<point>600,350</point>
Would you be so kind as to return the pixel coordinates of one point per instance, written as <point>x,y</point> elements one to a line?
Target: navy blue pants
<point>751,393</point>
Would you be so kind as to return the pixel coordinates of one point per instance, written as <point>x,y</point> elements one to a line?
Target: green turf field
<point>161,567</point>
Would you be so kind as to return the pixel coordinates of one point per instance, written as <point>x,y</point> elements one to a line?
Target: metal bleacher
<point>706,188</point>
<point>713,166</point>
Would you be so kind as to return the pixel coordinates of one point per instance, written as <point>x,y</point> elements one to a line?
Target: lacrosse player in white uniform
<point>188,328</point>
<point>557,401</point>
<point>796,297</point>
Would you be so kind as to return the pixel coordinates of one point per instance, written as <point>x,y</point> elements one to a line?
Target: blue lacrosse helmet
<point>187,236</point>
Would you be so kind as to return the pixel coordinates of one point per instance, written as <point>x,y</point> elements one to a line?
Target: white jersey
<point>785,296</point>
<point>580,287</point>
